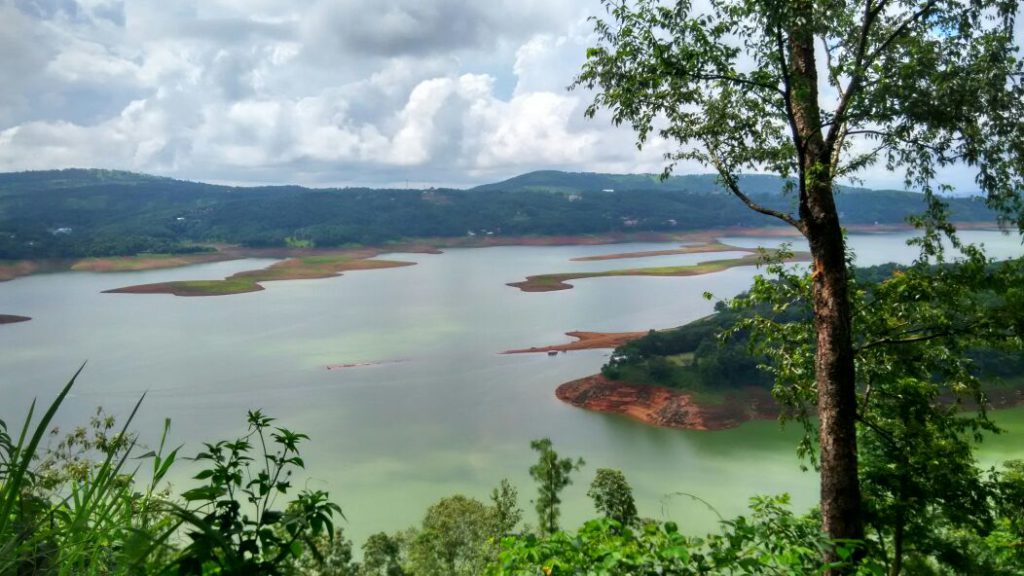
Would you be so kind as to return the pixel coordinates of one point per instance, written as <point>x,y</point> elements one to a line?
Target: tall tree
<point>552,475</point>
<point>915,85</point>
<point>613,496</point>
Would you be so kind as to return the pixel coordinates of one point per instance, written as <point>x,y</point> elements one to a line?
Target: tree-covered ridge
<point>79,213</point>
<point>713,354</point>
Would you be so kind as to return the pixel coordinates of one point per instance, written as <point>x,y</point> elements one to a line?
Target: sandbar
<point>559,281</point>
<point>11,318</point>
<point>584,341</point>
<point>362,364</point>
<point>322,264</point>
<point>694,249</point>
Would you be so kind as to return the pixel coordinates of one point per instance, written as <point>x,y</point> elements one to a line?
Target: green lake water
<point>444,412</point>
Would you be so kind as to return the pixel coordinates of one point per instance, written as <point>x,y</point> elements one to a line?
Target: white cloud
<point>323,91</point>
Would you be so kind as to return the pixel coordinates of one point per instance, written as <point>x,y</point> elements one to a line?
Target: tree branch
<point>899,339</point>
<point>798,141</point>
<point>733,187</point>
<point>839,118</point>
<point>878,430</point>
<point>900,30</point>
<point>787,95</point>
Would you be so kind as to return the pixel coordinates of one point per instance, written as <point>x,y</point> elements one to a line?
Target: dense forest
<point>78,213</point>
<point>713,354</point>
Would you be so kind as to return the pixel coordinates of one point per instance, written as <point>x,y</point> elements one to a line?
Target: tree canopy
<point>819,90</point>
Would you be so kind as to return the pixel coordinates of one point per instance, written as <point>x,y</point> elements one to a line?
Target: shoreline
<point>677,409</point>
<point>667,407</point>
<point>11,269</point>
<point>584,341</point>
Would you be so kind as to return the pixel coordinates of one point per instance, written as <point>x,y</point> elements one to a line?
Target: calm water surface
<point>445,412</point>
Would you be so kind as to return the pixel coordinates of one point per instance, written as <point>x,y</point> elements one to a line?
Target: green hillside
<point>76,213</point>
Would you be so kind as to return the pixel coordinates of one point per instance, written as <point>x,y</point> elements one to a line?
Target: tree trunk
<point>834,367</point>
<point>837,399</point>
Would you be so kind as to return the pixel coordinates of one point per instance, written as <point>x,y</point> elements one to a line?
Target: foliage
<point>917,334</point>
<point>329,555</point>
<point>507,513</point>
<point>75,508</point>
<point>916,85</point>
<point>382,556</point>
<point>613,497</point>
<point>552,476</point>
<point>771,541</point>
<point>233,524</point>
<point>456,538</point>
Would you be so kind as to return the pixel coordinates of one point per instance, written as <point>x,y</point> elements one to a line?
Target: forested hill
<point>73,213</point>
<point>577,182</point>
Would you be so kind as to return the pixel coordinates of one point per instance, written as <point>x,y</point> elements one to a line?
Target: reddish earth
<point>667,407</point>
<point>584,341</point>
<point>11,318</point>
<point>670,408</point>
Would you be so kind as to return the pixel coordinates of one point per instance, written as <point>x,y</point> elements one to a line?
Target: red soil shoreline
<point>670,408</point>
<point>666,407</point>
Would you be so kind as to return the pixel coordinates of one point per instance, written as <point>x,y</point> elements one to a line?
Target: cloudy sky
<point>316,92</point>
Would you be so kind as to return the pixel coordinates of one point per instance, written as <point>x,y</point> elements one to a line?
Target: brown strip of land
<point>560,281</point>
<point>323,264</point>
<point>11,318</point>
<point>694,249</point>
<point>667,407</point>
<point>585,341</point>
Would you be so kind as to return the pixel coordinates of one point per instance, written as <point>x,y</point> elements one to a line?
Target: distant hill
<point>75,213</point>
<point>576,182</point>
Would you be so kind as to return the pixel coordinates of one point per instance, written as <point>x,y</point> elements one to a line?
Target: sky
<point>314,92</point>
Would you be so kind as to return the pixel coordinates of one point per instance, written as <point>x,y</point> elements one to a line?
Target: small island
<point>559,281</point>
<point>700,248</point>
<point>306,267</point>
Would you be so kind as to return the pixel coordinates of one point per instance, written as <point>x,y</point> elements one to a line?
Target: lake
<point>444,412</point>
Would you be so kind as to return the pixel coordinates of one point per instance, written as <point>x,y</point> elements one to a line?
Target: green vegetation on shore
<point>714,355</point>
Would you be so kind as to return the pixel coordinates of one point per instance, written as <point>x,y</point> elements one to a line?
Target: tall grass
<point>79,509</point>
<point>88,521</point>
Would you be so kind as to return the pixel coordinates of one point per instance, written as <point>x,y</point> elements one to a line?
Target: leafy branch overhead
<point>916,86</point>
